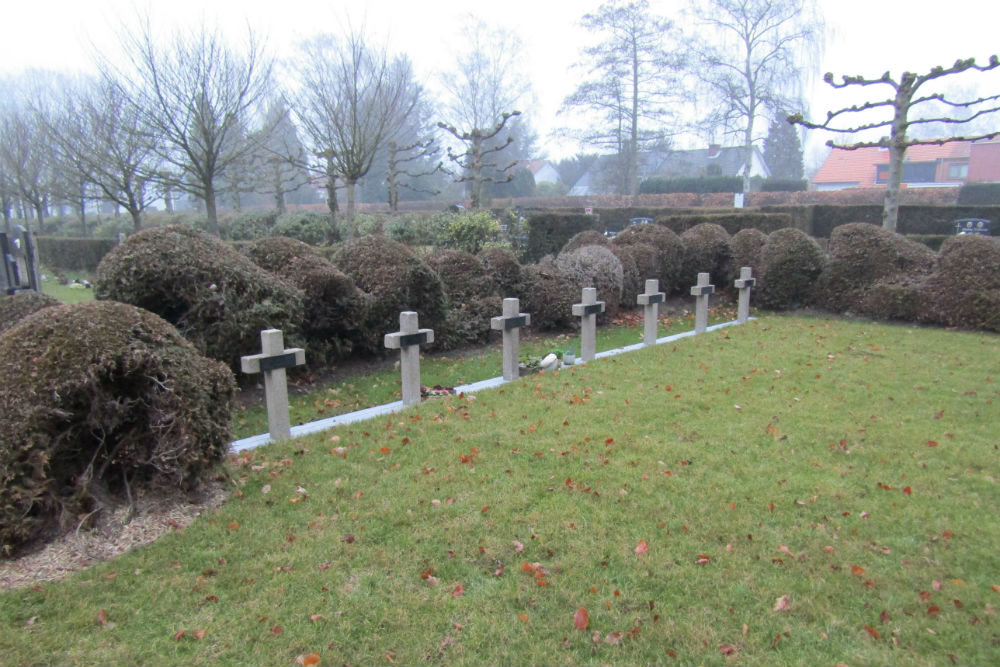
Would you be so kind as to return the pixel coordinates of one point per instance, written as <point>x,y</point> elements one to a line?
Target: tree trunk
<point>40,214</point>
<point>897,151</point>
<point>210,211</point>
<point>349,183</point>
<point>476,196</point>
<point>136,219</point>
<point>633,168</point>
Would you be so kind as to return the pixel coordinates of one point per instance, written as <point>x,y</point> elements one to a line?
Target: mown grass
<point>848,468</point>
<point>343,393</point>
<point>65,293</point>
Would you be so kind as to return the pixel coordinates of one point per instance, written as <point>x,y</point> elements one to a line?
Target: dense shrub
<point>397,280</point>
<point>586,237</point>
<point>964,288</point>
<point>632,281</point>
<point>698,185</point>
<point>16,307</point>
<point>861,254</point>
<point>706,250</point>
<point>101,399</point>
<point>306,226</point>
<point>549,232</point>
<point>979,194</point>
<point>790,263</point>
<point>732,222</point>
<point>68,254</point>
<point>669,252</point>
<point>335,311</point>
<point>745,247</point>
<point>897,297</point>
<point>784,185</point>
<point>504,270</point>
<point>251,225</point>
<point>420,228</point>
<point>218,298</point>
<point>594,266</point>
<point>472,298</point>
<point>469,231</point>
<point>549,298</point>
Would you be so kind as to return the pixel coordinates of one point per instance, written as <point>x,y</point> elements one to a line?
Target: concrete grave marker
<point>408,340</point>
<point>701,291</point>
<point>510,324</point>
<point>272,362</point>
<point>587,312</point>
<point>650,301</point>
<point>744,284</point>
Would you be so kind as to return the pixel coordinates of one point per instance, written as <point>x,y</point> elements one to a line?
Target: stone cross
<point>510,323</point>
<point>587,311</point>
<point>650,302</point>
<point>744,283</point>
<point>408,340</point>
<point>272,362</point>
<point>701,291</point>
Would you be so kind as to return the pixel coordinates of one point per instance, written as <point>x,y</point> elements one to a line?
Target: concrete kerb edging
<point>390,408</point>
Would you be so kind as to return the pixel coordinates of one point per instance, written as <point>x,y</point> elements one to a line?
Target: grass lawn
<point>794,491</point>
<point>65,293</point>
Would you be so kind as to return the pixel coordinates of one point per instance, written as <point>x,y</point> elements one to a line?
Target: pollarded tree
<point>905,106</point>
<point>483,91</point>
<point>632,84</point>
<point>196,94</point>
<point>749,59</point>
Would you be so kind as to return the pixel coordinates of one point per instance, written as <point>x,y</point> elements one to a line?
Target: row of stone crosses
<point>274,358</point>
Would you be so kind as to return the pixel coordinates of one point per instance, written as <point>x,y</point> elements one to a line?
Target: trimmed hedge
<point>16,307</point>
<point>979,194</point>
<point>549,232</point>
<point>588,237</point>
<point>706,250</point>
<point>860,255</point>
<point>745,247</point>
<point>964,288</point>
<point>472,298</point>
<point>549,297</point>
<point>731,222</point>
<point>101,399</point>
<point>695,185</point>
<point>669,252</point>
<point>504,270</point>
<point>306,226</point>
<point>790,263</point>
<point>70,254</point>
<point>397,280</point>
<point>217,297</point>
<point>335,311</point>
<point>595,266</point>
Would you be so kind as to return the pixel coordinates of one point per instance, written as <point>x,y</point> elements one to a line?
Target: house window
<point>958,172</point>
<point>913,172</point>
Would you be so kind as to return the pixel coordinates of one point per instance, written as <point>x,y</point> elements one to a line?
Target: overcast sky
<point>863,36</point>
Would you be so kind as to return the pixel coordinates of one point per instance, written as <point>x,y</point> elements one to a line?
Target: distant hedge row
<point>69,254</point>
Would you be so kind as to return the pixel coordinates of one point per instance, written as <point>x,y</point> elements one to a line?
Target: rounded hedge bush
<point>964,288</point>
<point>397,280</point>
<point>744,248</point>
<point>216,296</point>
<point>549,297</point>
<point>632,281</point>
<point>894,298</point>
<point>860,255</point>
<point>306,226</point>
<point>669,253</point>
<point>586,237</point>
<point>594,266</point>
<point>472,299</point>
<point>336,312</point>
<point>504,270</point>
<point>16,307</point>
<point>101,398</point>
<point>790,263</point>
<point>251,225</point>
<point>706,250</point>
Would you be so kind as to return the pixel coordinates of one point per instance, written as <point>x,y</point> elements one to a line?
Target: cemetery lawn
<point>794,491</point>
<point>349,391</point>
<point>65,293</point>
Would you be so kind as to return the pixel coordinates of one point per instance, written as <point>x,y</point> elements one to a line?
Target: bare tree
<point>280,167</point>
<point>407,164</point>
<point>902,105</point>
<point>103,142</point>
<point>196,94</point>
<point>353,100</point>
<point>632,84</point>
<point>749,58</point>
<point>26,159</point>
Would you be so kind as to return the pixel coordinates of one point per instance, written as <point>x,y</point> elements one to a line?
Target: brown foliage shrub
<point>595,266</point>
<point>504,270</point>
<point>100,399</point>
<point>549,297</point>
<point>706,250</point>
<point>790,263</point>
<point>16,307</point>
<point>472,299</point>
<point>669,252</point>
<point>964,288</point>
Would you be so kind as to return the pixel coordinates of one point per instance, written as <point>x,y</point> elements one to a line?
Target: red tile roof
<point>860,166</point>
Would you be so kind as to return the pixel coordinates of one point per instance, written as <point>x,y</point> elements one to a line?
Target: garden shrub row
<point>72,254</point>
